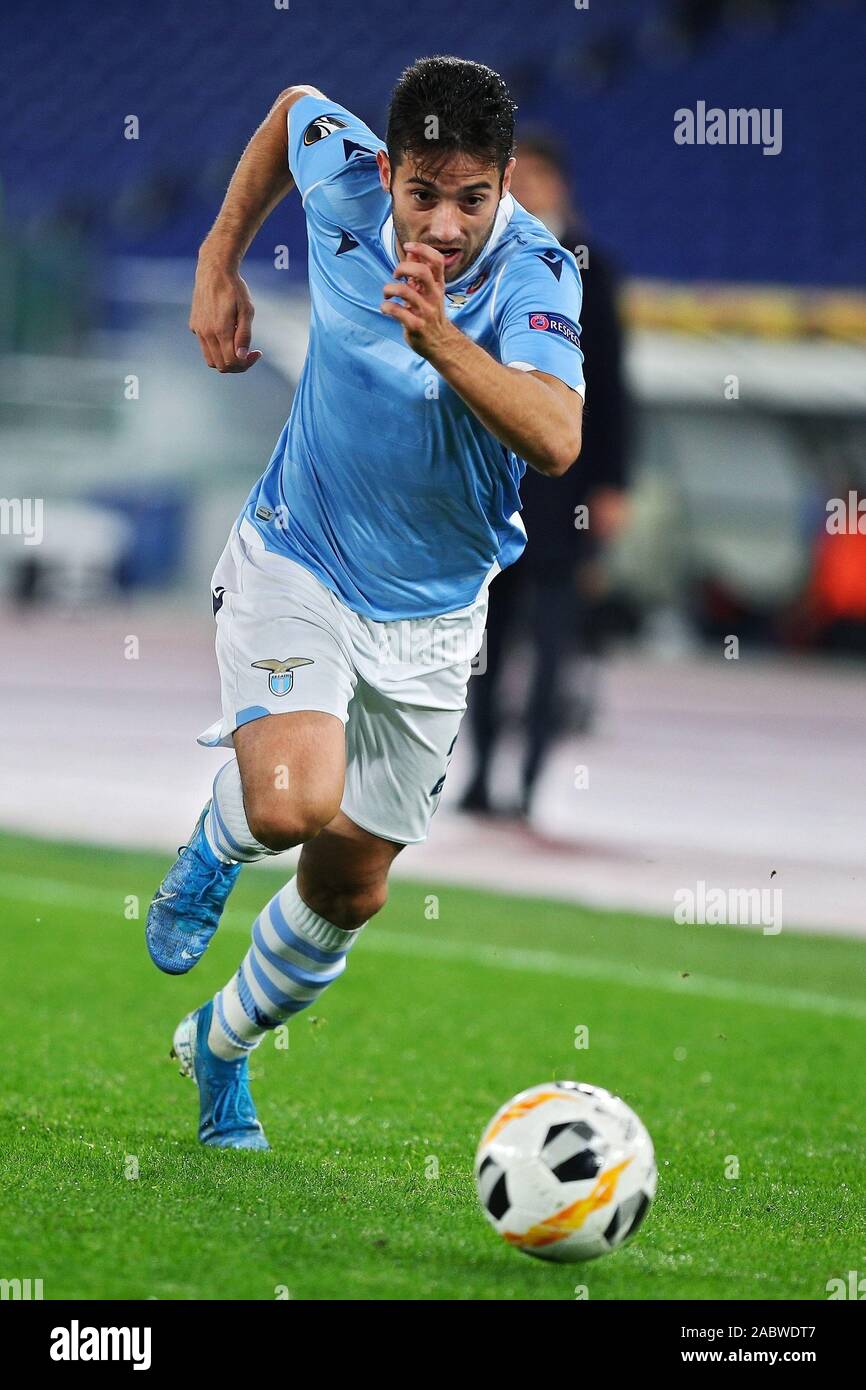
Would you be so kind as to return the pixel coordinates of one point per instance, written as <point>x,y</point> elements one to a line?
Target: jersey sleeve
<point>537,316</point>
<point>325,143</point>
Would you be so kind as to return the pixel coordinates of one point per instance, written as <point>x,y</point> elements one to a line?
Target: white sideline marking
<point>21,888</point>
<point>590,968</point>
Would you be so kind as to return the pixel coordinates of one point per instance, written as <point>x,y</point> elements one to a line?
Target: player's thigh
<point>343,872</point>
<point>292,770</point>
<point>397,757</point>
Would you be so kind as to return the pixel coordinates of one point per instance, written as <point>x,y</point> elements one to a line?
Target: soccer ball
<point>565,1171</point>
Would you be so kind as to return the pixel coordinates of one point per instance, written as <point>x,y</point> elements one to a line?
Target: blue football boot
<point>227,1113</point>
<point>188,904</point>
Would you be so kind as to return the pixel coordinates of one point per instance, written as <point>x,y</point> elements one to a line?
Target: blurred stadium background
<point>736,267</point>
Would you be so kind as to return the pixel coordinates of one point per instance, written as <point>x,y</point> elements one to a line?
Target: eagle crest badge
<point>282,677</point>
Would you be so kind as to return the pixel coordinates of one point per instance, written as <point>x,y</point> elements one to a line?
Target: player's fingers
<point>244,364</point>
<point>406,292</point>
<point>423,253</point>
<point>414,270</point>
<point>205,349</point>
<point>226,340</point>
<point>404,316</point>
<point>429,255</point>
<point>215,351</point>
<point>410,301</point>
<point>411,266</point>
<point>415,300</point>
<point>243,331</point>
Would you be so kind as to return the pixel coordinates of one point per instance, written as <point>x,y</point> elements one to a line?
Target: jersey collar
<point>504,214</point>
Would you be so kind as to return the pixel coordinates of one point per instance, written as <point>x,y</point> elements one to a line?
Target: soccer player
<point>444,356</point>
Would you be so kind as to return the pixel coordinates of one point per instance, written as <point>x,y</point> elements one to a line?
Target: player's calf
<point>343,873</point>
<point>300,944</point>
<point>294,956</point>
<point>347,908</point>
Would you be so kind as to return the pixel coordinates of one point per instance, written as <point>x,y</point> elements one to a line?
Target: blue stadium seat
<point>607,79</point>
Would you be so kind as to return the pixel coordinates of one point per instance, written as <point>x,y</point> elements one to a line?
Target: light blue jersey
<point>383,482</point>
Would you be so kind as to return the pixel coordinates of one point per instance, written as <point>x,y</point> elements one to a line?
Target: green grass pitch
<point>730,1044</point>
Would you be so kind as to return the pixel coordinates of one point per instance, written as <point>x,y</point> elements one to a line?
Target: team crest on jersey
<point>321,128</point>
<point>555,323</point>
<point>282,678</point>
<point>460,299</point>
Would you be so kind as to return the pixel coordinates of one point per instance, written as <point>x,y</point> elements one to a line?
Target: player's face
<point>453,211</point>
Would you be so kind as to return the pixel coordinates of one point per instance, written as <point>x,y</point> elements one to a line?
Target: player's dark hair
<point>473,112</point>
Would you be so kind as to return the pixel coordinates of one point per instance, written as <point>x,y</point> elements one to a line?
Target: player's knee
<point>278,826</point>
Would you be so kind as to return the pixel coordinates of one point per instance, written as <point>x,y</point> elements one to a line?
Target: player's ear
<point>506,177</point>
<point>384,164</point>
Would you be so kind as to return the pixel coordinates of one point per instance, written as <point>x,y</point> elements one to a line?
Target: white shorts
<point>286,642</point>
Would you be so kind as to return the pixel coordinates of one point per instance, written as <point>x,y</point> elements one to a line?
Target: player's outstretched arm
<point>222,311</point>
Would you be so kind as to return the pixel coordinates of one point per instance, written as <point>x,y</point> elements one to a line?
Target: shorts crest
<point>281,678</point>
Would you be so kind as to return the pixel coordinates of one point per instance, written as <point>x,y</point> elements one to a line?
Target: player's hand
<point>221,317</point>
<point>426,326</point>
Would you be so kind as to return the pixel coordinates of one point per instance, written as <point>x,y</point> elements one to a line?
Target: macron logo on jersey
<point>555,323</point>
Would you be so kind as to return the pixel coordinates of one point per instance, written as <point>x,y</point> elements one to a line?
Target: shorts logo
<point>281,678</point>
<point>435,791</point>
<point>556,323</point>
<point>321,128</point>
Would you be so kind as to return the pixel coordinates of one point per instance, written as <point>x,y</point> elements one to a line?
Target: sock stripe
<point>292,989</point>
<point>288,973</point>
<point>278,976</point>
<point>297,943</point>
<point>230,843</point>
<point>314,930</point>
<point>245,996</point>
<point>285,1002</point>
<point>212,831</point>
<point>284,966</point>
<point>224,1024</point>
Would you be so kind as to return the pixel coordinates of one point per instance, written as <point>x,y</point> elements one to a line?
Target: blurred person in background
<point>553,585</point>
<point>831,611</point>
